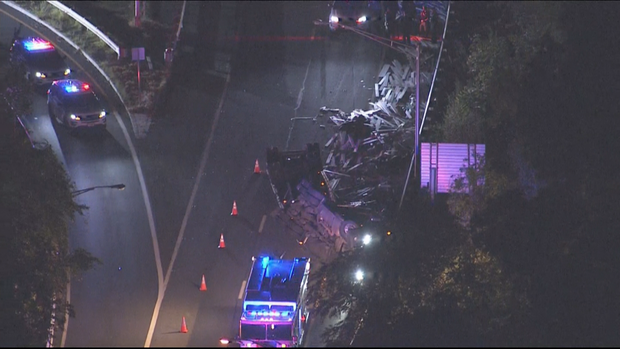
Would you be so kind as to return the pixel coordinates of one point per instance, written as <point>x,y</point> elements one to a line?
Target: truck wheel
<point>273,155</point>
<point>345,231</point>
<point>314,157</point>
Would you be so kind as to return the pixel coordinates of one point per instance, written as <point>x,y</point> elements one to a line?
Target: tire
<point>54,118</point>
<point>314,157</point>
<point>51,113</point>
<point>273,155</point>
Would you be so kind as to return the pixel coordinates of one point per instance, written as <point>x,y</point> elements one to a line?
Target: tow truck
<point>274,310</point>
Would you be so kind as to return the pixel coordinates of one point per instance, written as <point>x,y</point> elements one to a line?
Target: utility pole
<point>415,155</point>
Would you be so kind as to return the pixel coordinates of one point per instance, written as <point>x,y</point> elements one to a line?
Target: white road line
<point>262,224</point>
<point>203,163</point>
<point>300,97</point>
<point>242,289</point>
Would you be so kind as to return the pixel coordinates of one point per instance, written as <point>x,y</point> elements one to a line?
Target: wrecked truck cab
<point>306,201</point>
<point>286,169</point>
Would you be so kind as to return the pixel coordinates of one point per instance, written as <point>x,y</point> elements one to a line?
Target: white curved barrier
<point>87,24</point>
<point>16,7</point>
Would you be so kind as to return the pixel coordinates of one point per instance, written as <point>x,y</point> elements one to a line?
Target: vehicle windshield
<point>82,100</point>
<point>280,332</point>
<point>40,57</point>
<point>266,332</point>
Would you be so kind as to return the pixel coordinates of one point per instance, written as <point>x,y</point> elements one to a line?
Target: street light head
<point>118,186</point>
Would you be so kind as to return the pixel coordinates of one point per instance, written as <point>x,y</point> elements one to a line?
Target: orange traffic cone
<point>256,167</point>
<point>222,243</point>
<point>234,210</point>
<point>183,326</point>
<point>203,285</point>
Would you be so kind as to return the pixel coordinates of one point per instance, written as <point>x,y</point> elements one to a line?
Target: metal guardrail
<point>32,143</point>
<point>87,24</point>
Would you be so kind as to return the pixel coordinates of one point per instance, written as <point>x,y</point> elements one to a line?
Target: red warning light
<point>86,86</point>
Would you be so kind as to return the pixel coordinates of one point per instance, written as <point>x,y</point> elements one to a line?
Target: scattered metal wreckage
<point>354,191</point>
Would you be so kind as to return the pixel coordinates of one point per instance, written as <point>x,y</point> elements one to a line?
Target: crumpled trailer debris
<point>307,210</point>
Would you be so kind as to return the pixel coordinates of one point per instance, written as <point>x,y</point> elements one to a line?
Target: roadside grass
<point>115,19</point>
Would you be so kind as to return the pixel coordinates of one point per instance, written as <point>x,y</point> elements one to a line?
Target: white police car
<point>72,103</point>
<point>43,64</point>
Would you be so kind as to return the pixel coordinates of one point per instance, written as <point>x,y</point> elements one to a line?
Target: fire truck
<point>274,310</point>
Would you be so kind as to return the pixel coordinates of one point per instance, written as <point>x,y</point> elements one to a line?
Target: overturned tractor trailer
<point>306,208</point>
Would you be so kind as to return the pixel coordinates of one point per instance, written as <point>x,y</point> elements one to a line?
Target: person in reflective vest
<point>423,20</point>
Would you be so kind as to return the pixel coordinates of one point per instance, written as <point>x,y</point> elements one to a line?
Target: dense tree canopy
<point>529,256</point>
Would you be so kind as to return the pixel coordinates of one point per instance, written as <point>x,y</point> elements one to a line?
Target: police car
<point>73,103</point>
<point>43,64</point>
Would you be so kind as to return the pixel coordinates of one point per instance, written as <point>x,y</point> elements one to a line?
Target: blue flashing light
<point>73,86</point>
<point>37,44</point>
<point>265,262</point>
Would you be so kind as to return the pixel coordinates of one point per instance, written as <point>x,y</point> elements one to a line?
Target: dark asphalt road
<point>277,72</point>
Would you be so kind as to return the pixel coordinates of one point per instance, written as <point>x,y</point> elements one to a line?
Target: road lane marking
<point>190,205</point>
<point>242,289</point>
<point>136,162</point>
<point>300,97</point>
<point>262,224</point>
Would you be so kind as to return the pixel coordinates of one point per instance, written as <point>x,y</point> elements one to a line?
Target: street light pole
<point>414,156</point>
<point>82,191</point>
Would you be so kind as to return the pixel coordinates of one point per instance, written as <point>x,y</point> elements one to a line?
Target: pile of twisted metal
<point>364,168</point>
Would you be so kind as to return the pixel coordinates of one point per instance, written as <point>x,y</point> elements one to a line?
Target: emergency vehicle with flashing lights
<point>73,104</point>
<point>274,310</point>
<point>43,64</point>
